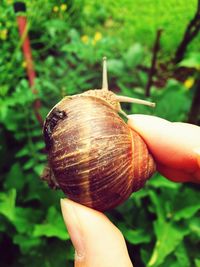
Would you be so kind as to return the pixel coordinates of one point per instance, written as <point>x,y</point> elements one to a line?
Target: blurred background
<point>153,51</point>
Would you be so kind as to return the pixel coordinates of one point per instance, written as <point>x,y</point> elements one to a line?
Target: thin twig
<point>152,70</point>
<point>194,113</point>
<point>25,43</point>
<point>190,33</point>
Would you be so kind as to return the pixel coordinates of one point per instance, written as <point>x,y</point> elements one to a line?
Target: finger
<point>197,151</point>
<point>172,144</point>
<point>178,175</point>
<point>96,240</point>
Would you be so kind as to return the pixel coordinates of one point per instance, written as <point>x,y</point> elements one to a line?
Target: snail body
<point>94,157</point>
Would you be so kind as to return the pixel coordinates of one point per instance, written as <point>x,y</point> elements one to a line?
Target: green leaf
<point>25,218</point>
<point>3,225</point>
<point>4,90</point>
<point>197,262</point>
<point>39,168</point>
<point>158,181</point>
<point>7,204</point>
<point>187,212</point>
<point>168,237</point>
<point>116,66</point>
<point>137,236</point>
<point>53,226</point>
<point>194,226</point>
<point>191,61</point>
<point>48,252</point>
<point>158,205</point>
<point>186,204</point>
<point>177,96</point>
<point>134,56</point>
<point>171,261</point>
<point>29,164</point>
<point>26,242</point>
<point>15,178</point>
<point>139,195</point>
<point>182,256</point>
<point>23,152</point>
<point>39,145</point>
<point>144,254</point>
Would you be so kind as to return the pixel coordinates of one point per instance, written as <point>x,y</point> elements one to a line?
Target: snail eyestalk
<point>105,76</point>
<point>127,99</point>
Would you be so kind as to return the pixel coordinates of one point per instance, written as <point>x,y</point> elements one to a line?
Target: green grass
<point>137,21</point>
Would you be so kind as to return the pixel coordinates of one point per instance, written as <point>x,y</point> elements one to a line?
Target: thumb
<point>96,240</point>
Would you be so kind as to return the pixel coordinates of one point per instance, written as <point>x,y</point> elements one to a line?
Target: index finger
<point>172,144</point>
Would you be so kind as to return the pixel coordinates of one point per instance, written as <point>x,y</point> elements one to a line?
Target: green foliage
<point>173,213</point>
<point>53,227</point>
<point>137,21</point>
<point>173,103</point>
<point>161,221</point>
<point>191,61</point>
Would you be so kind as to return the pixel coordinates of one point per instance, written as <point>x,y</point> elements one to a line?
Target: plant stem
<point>25,42</point>
<point>152,70</point>
<point>195,107</point>
<point>190,33</point>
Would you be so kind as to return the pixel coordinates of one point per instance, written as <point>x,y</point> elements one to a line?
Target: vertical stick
<point>153,62</point>
<point>22,26</point>
<point>191,32</point>
<point>194,113</point>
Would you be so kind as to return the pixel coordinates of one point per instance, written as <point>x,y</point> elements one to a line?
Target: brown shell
<point>96,159</point>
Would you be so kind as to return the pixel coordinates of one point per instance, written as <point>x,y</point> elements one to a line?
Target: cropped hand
<point>176,150</point>
<point>175,146</point>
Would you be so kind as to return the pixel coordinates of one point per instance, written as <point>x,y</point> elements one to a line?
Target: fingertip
<point>69,207</point>
<point>93,248</point>
<point>63,206</point>
<point>74,227</point>
<point>152,129</point>
<point>141,123</point>
<point>66,206</point>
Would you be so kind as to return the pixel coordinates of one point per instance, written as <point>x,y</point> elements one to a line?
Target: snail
<point>93,155</point>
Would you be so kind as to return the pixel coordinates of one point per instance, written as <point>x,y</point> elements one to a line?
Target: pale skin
<point>176,150</point>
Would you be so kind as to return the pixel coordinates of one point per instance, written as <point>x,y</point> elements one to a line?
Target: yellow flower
<point>97,37</point>
<point>9,2</point>
<point>3,34</point>
<point>189,82</point>
<point>24,64</point>
<point>55,9</point>
<point>63,7</point>
<point>85,39</point>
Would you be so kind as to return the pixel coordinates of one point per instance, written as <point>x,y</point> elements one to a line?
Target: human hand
<point>175,146</point>
<point>176,150</point>
<point>97,242</point>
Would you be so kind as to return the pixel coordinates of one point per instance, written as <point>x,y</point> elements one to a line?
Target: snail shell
<point>96,159</point>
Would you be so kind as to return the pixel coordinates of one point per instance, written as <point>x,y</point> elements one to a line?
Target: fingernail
<point>197,152</point>
<point>73,225</point>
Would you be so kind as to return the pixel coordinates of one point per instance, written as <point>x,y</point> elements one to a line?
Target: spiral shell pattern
<point>97,160</point>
